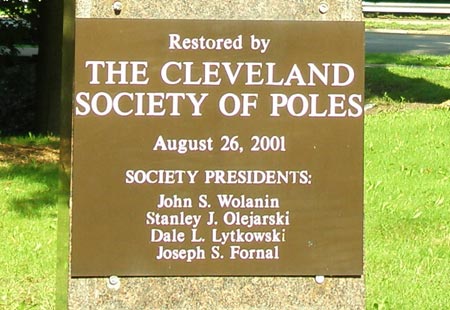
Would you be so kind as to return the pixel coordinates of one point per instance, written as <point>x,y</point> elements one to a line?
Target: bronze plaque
<point>217,148</point>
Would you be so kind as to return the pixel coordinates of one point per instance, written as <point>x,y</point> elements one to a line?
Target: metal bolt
<point>113,283</point>
<point>324,7</point>
<point>117,7</point>
<point>320,279</point>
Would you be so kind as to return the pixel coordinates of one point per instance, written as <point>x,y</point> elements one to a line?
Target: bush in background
<point>17,97</point>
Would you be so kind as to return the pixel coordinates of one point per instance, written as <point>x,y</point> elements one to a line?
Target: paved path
<point>378,42</point>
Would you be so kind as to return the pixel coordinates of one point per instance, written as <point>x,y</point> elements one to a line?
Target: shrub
<point>17,97</point>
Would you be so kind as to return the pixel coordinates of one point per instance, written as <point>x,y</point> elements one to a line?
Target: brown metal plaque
<point>217,148</point>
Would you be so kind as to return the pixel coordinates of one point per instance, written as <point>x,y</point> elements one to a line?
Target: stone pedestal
<point>201,292</point>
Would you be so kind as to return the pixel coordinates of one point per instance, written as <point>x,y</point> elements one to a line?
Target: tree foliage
<point>19,23</point>
<point>30,87</point>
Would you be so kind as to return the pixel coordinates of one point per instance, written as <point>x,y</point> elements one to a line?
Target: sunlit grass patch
<point>408,59</point>
<point>408,25</point>
<point>407,209</point>
<point>32,140</point>
<point>27,233</point>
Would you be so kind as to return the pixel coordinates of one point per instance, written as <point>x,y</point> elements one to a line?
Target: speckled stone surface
<point>345,10</point>
<point>220,292</point>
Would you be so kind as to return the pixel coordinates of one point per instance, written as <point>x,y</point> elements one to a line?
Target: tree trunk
<point>49,67</point>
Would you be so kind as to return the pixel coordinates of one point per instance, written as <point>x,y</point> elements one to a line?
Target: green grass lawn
<point>407,182</point>
<point>439,25</point>
<point>409,60</point>
<point>407,209</point>
<point>409,79</point>
<point>28,235</point>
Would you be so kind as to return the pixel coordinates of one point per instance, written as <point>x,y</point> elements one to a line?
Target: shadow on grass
<point>380,82</point>
<point>41,190</point>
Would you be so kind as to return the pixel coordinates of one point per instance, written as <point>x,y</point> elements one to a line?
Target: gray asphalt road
<point>377,42</point>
